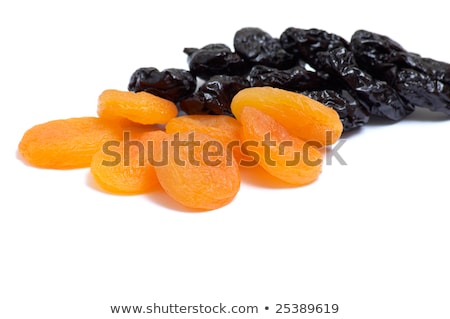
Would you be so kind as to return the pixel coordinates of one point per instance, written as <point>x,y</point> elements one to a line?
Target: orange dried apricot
<point>66,143</point>
<point>222,127</point>
<point>123,167</point>
<point>141,107</point>
<point>197,173</point>
<point>282,155</point>
<point>302,116</point>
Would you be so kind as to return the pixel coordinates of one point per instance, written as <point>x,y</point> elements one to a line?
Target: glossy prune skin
<point>376,53</point>
<point>215,59</point>
<point>422,90</point>
<point>421,81</point>
<point>379,54</point>
<point>307,43</point>
<point>172,84</point>
<point>258,47</point>
<point>350,111</point>
<point>379,98</point>
<point>293,79</point>
<point>214,96</point>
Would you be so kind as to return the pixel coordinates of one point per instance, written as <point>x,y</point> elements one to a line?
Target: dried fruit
<point>67,143</point>
<point>171,84</point>
<point>294,79</point>
<point>282,155</point>
<point>125,167</point>
<point>258,47</point>
<point>141,107</point>
<point>221,127</point>
<point>214,96</point>
<point>332,55</point>
<point>198,174</point>
<point>215,59</point>
<point>421,81</point>
<point>350,111</point>
<point>306,44</point>
<point>302,116</point>
<point>378,97</point>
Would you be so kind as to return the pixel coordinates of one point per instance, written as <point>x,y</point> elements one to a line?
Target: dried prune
<point>259,47</point>
<point>375,53</point>
<point>172,84</point>
<point>421,81</point>
<point>422,90</point>
<point>215,59</point>
<point>306,43</point>
<point>294,79</point>
<point>214,96</point>
<point>350,111</point>
<point>379,98</point>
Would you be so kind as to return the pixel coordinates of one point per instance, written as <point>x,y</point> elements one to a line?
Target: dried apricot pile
<point>195,159</point>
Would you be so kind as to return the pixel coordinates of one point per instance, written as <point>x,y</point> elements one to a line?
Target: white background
<point>372,236</point>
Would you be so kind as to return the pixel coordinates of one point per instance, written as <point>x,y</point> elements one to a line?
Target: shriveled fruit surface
<point>302,116</point>
<point>141,107</point>
<point>124,167</point>
<point>198,175</point>
<point>221,127</point>
<point>67,143</point>
<point>282,155</point>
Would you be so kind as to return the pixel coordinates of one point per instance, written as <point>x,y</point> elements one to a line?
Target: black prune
<point>421,81</point>
<point>307,43</point>
<point>379,53</point>
<point>172,84</point>
<point>379,98</point>
<point>259,47</point>
<point>293,79</point>
<point>350,111</point>
<point>214,96</point>
<point>215,59</point>
<point>422,90</point>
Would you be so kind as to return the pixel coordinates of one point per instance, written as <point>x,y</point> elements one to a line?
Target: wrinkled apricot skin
<point>196,180</point>
<point>221,127</point>
<point>282,155</point>
<point>303,117</point>
<point>124,167</point>
<point>67,143</point>
<point>141,107</point>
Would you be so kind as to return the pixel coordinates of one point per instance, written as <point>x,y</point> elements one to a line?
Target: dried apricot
<point>141,107</point>
<point>282,155</point>
<point>197,173</point>
<point>66,143</point>
<point>222,127</point>
<point>303,117</point>
<point>123,167</point>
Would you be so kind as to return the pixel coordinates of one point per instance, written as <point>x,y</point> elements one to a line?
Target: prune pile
<point>370,76</point>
